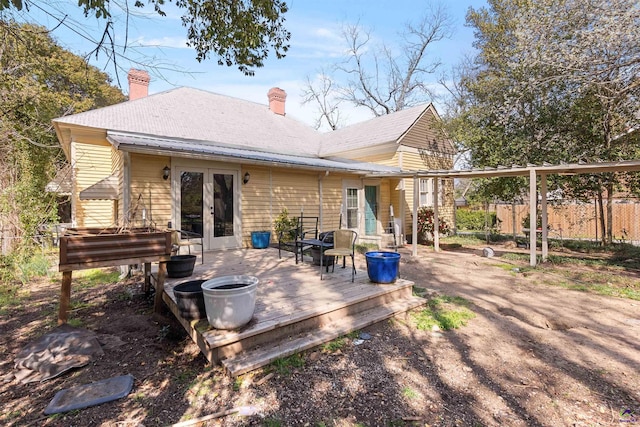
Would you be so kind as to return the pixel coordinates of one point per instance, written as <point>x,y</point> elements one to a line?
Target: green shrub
<point>285,226</point>
<point>467,219</point>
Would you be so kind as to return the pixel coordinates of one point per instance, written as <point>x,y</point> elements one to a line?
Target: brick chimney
<point>138,84</point>
<point>277,98</point>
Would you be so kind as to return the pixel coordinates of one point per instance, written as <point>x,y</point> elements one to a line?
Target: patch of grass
<point>203,388</point>
<point>79,305</point>
<point>339,342</point>
<point>284,365</point>
<point>353,335</point>
<point>75,322</point>
<point>601,289</point>
<point>184,377</point>
<point>35,266</point>
<point>409,393</point>
<point>515,256</point>
<point>446,312</point>
<point>11,296</point>
<point>237,383</point>
<point>13,415</point>
<point>334,345</point>
<point>272,422</point>
<point>507,267</point>
<point>95,277</point>
<point>474,239</point>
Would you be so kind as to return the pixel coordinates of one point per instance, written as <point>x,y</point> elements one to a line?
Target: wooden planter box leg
<point>157,301</point>
<point>65,298</point>
<point>147,277</point>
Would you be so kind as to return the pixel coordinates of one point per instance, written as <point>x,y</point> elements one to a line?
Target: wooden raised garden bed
<point>83,248</point>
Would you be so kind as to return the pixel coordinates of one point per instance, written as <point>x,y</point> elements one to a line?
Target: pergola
<point>532,171</point>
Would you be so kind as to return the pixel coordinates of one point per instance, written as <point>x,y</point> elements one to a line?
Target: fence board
<point>576,220</point>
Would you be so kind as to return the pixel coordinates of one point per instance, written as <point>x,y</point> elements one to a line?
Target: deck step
<point>306,318</point>
<point>263,355</point>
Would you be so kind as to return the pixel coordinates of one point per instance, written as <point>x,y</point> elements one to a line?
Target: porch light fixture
<point>246,178</point>
<point>166,171</point>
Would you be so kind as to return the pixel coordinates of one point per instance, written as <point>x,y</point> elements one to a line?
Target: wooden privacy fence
<point>575,220</point>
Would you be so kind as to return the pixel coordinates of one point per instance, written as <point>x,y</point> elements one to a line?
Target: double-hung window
<point>352,208</point>
<point>426,192</point>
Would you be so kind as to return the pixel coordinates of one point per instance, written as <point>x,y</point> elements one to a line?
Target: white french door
<point>207,203</point>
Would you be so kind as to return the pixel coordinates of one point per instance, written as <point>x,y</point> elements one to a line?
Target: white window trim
<point>426,192</point>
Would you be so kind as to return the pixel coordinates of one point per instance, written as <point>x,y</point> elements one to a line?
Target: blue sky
<point>315,44</point>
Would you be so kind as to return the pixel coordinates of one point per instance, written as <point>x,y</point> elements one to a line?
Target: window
<point>426,192</point>
<point>352,208</point>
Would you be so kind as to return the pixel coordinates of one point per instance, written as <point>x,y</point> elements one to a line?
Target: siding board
<point>149,191</point>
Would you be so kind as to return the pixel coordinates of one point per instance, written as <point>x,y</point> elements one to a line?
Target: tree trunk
<point>609,187</point>
<point>601,212</point>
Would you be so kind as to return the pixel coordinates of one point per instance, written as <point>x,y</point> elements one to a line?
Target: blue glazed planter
<point>382,267</point>
<point>260,239</point>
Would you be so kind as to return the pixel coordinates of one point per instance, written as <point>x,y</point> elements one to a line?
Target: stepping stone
<point>91,394</point>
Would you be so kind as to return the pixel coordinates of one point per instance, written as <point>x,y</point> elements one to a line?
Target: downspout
<point>414,231</point>
<point>402,201</point>
<point>271,197</point>
<point>436,220</point>
<point>74,186</point>
<point>320,215</point>
<point>126,185</point>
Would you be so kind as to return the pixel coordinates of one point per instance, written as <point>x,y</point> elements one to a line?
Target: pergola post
<point>533,196</point>
<point>543,209</point>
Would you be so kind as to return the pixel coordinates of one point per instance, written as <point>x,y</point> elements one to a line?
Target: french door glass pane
<point>191,186</point>
<point>223,205</point>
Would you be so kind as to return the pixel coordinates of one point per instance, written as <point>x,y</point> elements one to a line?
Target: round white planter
<point>230,300</point>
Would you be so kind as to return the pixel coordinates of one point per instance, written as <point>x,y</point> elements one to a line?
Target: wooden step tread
<point>256,358</point>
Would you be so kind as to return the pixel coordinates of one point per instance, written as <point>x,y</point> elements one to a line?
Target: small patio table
<point>317,243</point>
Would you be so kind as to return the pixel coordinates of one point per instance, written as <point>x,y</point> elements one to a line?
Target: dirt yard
<point>534,355</point>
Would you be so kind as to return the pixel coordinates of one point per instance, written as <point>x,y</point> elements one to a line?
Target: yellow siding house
<point>224,167</point>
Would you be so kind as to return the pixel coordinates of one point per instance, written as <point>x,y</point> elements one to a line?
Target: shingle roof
<point>187,114</point>
<point>195,114</point>
<point>379,130</point>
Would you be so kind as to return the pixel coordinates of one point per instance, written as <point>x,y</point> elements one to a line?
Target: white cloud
<point>166,42</point>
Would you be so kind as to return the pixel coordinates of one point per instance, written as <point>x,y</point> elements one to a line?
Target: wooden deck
<point>294,311</point>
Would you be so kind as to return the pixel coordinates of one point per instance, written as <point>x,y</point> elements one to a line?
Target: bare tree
<point>324,97</point>
<point>385,81</point>
<point>380,78</point>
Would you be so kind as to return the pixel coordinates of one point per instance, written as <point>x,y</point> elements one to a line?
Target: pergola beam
<point>532,171</point>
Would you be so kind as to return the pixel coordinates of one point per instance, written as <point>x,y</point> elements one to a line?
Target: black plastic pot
<point>190,300</point>
<point>181,266</point>
<point>315,253</point>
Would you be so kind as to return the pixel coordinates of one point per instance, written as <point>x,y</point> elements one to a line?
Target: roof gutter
<point>240,159</point>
